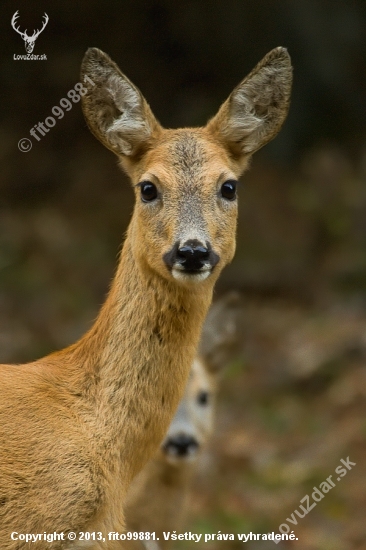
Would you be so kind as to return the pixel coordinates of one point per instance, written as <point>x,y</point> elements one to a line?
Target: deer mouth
<point>181,273</point>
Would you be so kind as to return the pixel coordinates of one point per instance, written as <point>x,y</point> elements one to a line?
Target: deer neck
<point>139,353</point>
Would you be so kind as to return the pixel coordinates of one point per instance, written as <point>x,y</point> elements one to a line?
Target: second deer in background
<point>159,496</point>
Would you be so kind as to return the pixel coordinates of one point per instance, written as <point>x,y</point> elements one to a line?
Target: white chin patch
<point>181,275</point>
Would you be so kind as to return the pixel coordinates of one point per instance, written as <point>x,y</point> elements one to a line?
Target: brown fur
<point>76,426</point>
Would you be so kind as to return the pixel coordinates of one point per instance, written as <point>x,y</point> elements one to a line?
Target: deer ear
<point>115,110</point>
<point>220,338</point>
<point>256,109</point>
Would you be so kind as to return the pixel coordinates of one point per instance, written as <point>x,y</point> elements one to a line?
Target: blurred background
<point>293,402</point>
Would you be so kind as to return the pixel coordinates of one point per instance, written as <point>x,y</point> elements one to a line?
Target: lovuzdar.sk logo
<point>29,41</point>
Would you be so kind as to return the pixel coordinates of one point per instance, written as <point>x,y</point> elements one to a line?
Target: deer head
<point>185,180</point>
<point>29,41</point>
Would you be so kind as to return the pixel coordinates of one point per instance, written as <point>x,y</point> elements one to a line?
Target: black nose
<point>180,445</point>
<point>191,255</point>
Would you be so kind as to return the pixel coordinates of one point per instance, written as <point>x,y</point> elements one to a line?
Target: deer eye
<point>202,398</point>
<point>228,190</point>
<point>149,191</point>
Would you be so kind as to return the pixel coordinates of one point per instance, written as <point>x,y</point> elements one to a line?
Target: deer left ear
<point>114,108</point>
<point>256,109</point>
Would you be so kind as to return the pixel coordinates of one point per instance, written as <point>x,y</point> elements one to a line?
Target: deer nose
<point>180,445</point>
<point>192,255</point>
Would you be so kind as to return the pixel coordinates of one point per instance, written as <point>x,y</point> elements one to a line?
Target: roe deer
<point>77,425</point>
<point>158,496</point>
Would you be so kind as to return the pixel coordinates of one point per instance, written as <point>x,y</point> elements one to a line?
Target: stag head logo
<point>29,41</point>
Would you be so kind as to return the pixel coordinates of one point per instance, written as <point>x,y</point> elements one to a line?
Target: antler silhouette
<point>13,21</point>
<point>44,24</point>
<point>29,40</point>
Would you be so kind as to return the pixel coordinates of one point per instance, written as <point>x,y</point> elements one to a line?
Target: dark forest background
<point>293,401</point>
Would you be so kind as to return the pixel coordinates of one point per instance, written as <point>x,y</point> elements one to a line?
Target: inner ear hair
<point>256,109</point>
<point>114,108</point>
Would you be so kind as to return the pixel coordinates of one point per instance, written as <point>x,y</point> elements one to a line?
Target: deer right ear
<point>220,338</point>
<point>115,110</point>
<point>256,109</point>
